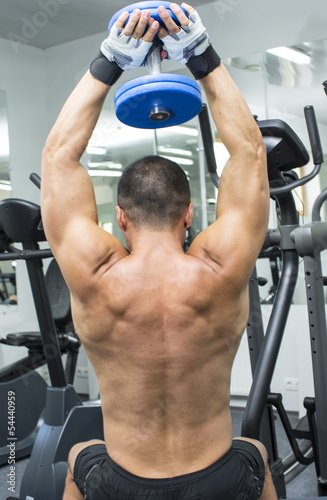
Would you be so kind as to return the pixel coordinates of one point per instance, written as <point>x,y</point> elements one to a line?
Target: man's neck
<point>144,241</point>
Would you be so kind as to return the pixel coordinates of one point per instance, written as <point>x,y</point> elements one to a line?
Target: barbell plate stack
<point>158,101</point>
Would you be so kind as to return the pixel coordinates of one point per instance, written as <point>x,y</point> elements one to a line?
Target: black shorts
<point>237,475</point>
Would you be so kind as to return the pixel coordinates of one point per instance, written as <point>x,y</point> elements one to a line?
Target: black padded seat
<point>31,340</point>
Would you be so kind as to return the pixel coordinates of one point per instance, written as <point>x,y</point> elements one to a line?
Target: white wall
<point>22,77</point>
<point>242,27</point>
<point>294,362</point>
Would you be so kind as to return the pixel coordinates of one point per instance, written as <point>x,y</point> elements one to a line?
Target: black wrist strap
<point>104,70</point>
<point>202,65</point>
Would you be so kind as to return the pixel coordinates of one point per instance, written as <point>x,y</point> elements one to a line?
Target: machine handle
<point>36,179</point>
<point>313,132</point>
<point>325,86</point>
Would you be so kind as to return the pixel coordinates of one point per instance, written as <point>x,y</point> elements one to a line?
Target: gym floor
<point>303,486</point>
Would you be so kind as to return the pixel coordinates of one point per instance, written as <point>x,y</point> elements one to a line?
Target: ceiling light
<point>95,150</point>
<point>104,173</point>
<point>4,144</point>
<point>109,164</point>
<point>175,151</point>
<point>293,55</point>
<point>5,187</point>
<point>180,161</point>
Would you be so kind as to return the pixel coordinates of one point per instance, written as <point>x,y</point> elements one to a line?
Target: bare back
<point>161,332</point>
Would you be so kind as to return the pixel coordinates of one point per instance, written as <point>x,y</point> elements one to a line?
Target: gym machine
<point>21,377</point>
<point>20,222</point>
<point>294,241</point>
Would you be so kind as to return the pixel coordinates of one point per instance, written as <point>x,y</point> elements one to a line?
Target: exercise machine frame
<point>294,241</point>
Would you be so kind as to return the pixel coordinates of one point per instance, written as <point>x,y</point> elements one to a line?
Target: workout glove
<point>118,53</point>
<point>192,40</point>
<point>191,46</point>
<point>124,50</point>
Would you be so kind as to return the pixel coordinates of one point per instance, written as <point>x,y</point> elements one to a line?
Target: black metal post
<point>44,314</point>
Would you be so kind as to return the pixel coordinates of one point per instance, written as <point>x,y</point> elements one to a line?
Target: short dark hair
<point>154,192</point>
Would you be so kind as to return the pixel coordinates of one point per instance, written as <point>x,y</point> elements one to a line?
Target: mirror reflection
<point>279,83</point>
<point>7,268</point>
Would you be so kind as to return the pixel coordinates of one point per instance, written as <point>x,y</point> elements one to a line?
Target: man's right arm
<point>234,240</point>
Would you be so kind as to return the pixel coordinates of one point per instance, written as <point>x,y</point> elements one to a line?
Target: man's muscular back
<point>162,336</point>
<point>161,328</point>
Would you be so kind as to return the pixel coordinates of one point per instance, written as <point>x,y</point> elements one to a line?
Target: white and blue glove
<point>192,41</point>
<point>126,51</point>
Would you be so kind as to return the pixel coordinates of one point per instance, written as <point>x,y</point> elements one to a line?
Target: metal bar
<point>202,176</point>
<point>255,334</point>
<point>154,59</point>
<point>270,349</point>
<point>46,323</point>
<point>255,330</point>
<point>318,204</point>
<point>26,255</point>
<point>268,356</point>
<point>318,338</point>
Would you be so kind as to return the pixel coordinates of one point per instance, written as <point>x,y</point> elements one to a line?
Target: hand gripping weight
<point>158,99</point>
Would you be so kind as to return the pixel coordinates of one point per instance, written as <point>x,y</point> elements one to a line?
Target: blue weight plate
<point>162,77</point>
<point>133,105</point>
<point>152,6</point>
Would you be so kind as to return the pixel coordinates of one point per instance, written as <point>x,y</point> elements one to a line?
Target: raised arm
<point>233,242</point>
<point>68,204</point>
<point>235,239</point>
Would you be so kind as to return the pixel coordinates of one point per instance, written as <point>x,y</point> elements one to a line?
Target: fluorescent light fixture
<point>96,150</point>
<point>104,173</point>
<point>180,161</point>
<point>5,187</point>
<point>175,151</point>
<point>293,55</point>
<point>4,143</point>
<point>109,164</point>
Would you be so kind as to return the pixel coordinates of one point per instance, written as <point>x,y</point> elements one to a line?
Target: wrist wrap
<point>202,65</point>
<point>104,70</point>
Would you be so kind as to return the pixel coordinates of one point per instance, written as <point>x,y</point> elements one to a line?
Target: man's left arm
<point>68,205</point>
<point>69,212</point>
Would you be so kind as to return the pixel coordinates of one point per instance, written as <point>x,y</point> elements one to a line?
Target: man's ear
<point>188,215</point>
<point>121,218</point>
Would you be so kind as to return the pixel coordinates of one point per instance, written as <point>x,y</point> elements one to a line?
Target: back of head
<point>154,192</point>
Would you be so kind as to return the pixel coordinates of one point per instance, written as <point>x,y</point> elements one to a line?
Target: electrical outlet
<point>82,373</point>
<point>291,384</point>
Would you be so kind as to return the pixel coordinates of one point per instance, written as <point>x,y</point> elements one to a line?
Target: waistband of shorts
<point>175,481</point>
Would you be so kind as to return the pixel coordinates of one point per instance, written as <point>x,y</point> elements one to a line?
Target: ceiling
<point>65,20</point>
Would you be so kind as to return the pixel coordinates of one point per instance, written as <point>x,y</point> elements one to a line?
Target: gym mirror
<point>279,83</point>
<point>7,269</point>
